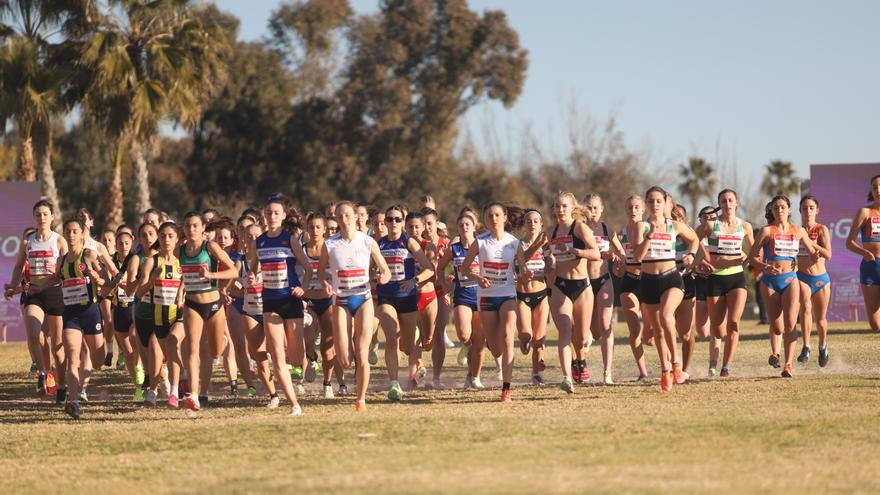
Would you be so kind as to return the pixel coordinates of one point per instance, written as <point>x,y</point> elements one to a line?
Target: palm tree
<point>151,60</point>
<point>697,181</point>
<point>779,178</point>
<point>33,82</point>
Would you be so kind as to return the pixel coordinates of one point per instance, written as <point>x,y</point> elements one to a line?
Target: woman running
<point>685,313</point>
<point>499,253</point>
<point>533,307</point>
<point>108,272</point>
<point>203,263</point>
<point>319,304</point>
<point>814,279</point>
<point>600,281</point>
<point>398,304</point>
<point>148,235</point>
<point>465,313</point>
<point>701,289</point>
<point>347,256</point>
<point>729,238</point>
<point>440,244</point>
<point>779,241</point>
<point>164,284</point>
<point>275,255</point>
<point>123,310</point>
<point>427,303</point>
<point>42,297</point>
<point>79,272</point>
<point>629,269</point>
<point>867,223</point>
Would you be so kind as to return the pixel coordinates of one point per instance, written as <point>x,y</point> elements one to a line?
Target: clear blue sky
<point>745,81</point>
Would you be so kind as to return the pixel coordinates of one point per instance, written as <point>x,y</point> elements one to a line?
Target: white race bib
<point>729,244</point>
<point>536,265</point>
<point>351,281</point>
<point>395,261</point>
<point>785,245</point>
<point>559,247</point>
<point>75,291</point>
<point>275,275</point>
<point>253,300</point>
<point>496,273</point>
<point>193,279</point>
<point>603,243</point>
<point>165,292</point>
<point>41,262</point>
<point>874,228</point>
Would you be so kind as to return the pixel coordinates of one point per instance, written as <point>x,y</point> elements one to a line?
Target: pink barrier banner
<point>841,191</point>
<point>16,201</point>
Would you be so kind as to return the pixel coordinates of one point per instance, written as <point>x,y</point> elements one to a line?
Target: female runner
<point>600,281</point>
<point>867,223</point>
<point>109,270</point>
<point>123,310</point>
<point>398,297</point>
<point>499,252</point>
<point>685,313</point>
<point>143,306</point>
<point>662,288</point>
<point>728,239</point>
<point>779,286</point>
<point>203,263</point>
<point>814,279</point>
<point>629,269</point>
<point>79,272</point>
<point>427,303</point>
<point>42,297</point>
<point>432,237</point>
<point>235,355</point>
<point>464,300</point>
<point>533,307</point>
<point>701,283</point>
<point>347,256</point>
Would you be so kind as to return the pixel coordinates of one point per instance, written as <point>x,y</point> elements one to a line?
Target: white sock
<point>110,346</point>
<point>174,390</point>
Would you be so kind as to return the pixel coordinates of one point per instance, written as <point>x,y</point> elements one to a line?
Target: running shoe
<point>678,374</point>
<point>566,385</point>
<point>139,376</point>
<point>477,383</point>
<point>296,373</point>
<point>252,392</point>
<point>311,371</point>
<point>437,384</point>
<point>538,379</point>
<point>463,355</point>
<point>607,379</point>
<point>61,396</point>
<point>72,408</point>
<point>666,381</point>
<point>642,378</point>
<point>328,392</point>
<point>773,360</point>
<point>274,401</point>
<point>296,411</point>
<point>505,395</point>
<point>342,390</point>
<point>712,373</point>
<point>83,395</point>
<point>421,371</point>
<point>51,383</point>
<point>786,371</point>
<point>360,405</point>
<point>120,362</point>
<point>823,357</point>
<point>585,374</point>
<point>192,404</point>
<point>173,402</point>
<point>151,397</point>
<point>138,394</point>
<point>447,341</point>
<point>576,372</point>
<point>108,359</point>
<point>395,393</point>
<point>41,384</point>
<point>725,371</point>
<point>804,357</point>
<point>373,356</point>
<point>300,390</point>
<point>500,375</point>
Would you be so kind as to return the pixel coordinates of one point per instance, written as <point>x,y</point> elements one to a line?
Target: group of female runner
<point>268,292</point>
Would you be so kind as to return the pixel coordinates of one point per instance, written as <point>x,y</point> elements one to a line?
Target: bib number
<point>253,300</point>
<point>275,275</point>
<point>729,245</point>
<point>351,282</point>
<point>41,262</point>
<point>875,227</point>
<point>75,291</point>
<point>395,265</point>
<point>165,292</point>
<point>785,245</point>
<point>560,246</point>
<point>193,279</point>
<point>496,273</point>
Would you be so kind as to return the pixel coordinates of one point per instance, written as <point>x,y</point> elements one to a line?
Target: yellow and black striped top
<point>73,274</point>
<point>122,267</point>
<point>165,310</point>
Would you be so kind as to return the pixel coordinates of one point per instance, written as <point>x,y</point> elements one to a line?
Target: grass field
<point>751,433</point>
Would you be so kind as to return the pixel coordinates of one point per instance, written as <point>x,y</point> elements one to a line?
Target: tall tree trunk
<point>115,211</point>
<point>47,175</point>
<point>26,170</point>
<point>141,177</point>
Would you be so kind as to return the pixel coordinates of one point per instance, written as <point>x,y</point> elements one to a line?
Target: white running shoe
<point>447,341</point>
<point>343,390</point>
<point>328,392</point>
<point>296,411</point>
<point>150,398</point>
<point>300,390</point>
<point>273,402</point>
<point>608,380</point>
<point>477,383</point>
<point>463,355</point>
<point>500,375</point>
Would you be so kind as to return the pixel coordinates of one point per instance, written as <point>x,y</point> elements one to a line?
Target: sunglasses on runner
<point>394,219</point>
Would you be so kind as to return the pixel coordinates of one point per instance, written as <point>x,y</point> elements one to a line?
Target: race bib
<point>41,262</point>
<point>193,279</point>
<point>802,250</point>
<point>729,244</point>
<point>315,284</point>
<point>253,300</point>
<point>351,281</point>
<point>661,246</point>
<point>875,227</point>
<point>464,282</point>
<point>75,291</point>
<point>785,245</point>
<point>165,292</point>
<point>603,243</point>
<point>122,297</point>
<point>395,258</point>
<point>559,247</point>
<point>496,273</point>
<point>275,275</point>
<point>629,253</point>
<point>536,265</point>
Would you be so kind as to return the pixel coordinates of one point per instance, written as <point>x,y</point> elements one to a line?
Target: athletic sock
<point>328,384</point>
<point>505,386</point>
<point>174,390</point>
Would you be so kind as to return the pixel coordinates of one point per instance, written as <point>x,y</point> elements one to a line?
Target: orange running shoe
<point>51,384</point>
<point>677,374</point>
<point>786,371</point>
<point>505,395</point>
<point>666,381</point>
<point>360,405</point>
<point>192,404</point>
